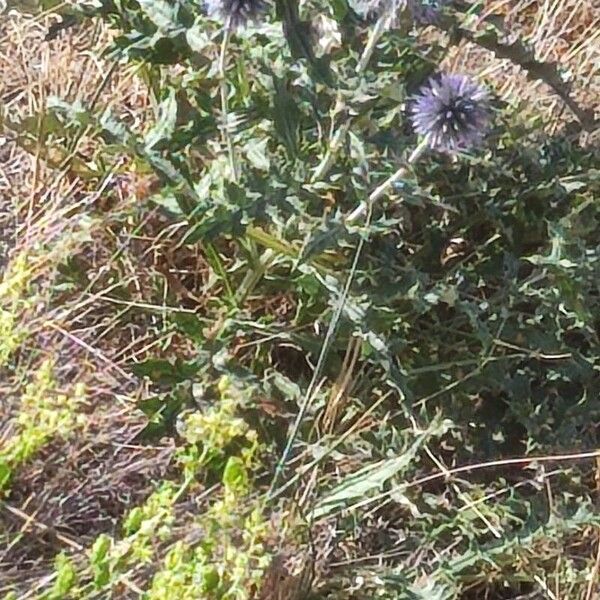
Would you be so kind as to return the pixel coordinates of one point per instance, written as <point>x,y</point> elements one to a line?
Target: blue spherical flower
<point>452,111</point>
<point>236,12</point>
<point>426,12</point>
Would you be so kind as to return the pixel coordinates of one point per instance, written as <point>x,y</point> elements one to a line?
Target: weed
<point>43,414</point>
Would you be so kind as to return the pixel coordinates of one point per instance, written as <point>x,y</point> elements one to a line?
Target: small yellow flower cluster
<point>155,517</point>
<point>228,563</point>
<point>44,413</point>
<point>13,300</point>
<point>66,578</point>
<point>215,428</point>
<point>186,574</point>
<point>143,526</point>
<point>231,559</point>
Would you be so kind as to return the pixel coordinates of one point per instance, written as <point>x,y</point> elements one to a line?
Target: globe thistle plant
<point>235,12</point>
<point>452,111</point>
<point>426,12</point>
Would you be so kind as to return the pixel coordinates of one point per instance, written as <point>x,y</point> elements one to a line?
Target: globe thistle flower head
<point>235,12</point>
<point>452,111</point>
<point>426,12</point>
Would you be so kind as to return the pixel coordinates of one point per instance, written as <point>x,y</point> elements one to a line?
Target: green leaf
<point>133,521</point>
<point>162,13</point>
<point>256,152</point>
<point>165,125</point>
<point>191,325</point>
<point>165,372</point>
<point>340,9</point>
<point>298,36</point>
<point>210,579</point>
<point>323,237</point>
<point>101,574</point>
<point>151,406</point>
<point>100,549</point>
<point>235,476</point>
<point>286,115</point>
<point>555,257</point>
<point>162,411</point>
<point>66,577</point>
<point>197,38</point>
<point>5,474</point>
<point>289,389</point>
<point>363,482</point>
<point>372,477</point>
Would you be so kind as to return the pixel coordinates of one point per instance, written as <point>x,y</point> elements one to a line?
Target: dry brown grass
<point>79,486</point>
<point>565,32</point>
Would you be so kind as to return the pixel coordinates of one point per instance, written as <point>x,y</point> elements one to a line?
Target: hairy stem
<point>224,103</point>
<point>380,190</point>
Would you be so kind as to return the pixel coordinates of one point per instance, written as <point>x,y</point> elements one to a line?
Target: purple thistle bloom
<point>426,12</point>
<point>238,12</point>
<point>452,111</point>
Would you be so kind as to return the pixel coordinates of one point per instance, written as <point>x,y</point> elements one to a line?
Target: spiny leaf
<point>286,115</point>
<point>373,477</point>
<point>164,127</point>
<point>162,13</point>
<point>327,235</point>
<point>517,52</point>
<point>298,36</point>
<point>165,372</point>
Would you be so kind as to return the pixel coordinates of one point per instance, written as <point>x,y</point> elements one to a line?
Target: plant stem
<point>376,34</point>
<point>380,190</point>
<point>256,273</point>
<point>224,104</point>
<point>313,386</point>
<point>339,136</point>
<point>253,276</point>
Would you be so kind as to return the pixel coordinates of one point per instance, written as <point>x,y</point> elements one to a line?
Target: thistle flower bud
<point>236,12</point>
<point>426,12</point>
<point>452,111</point>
